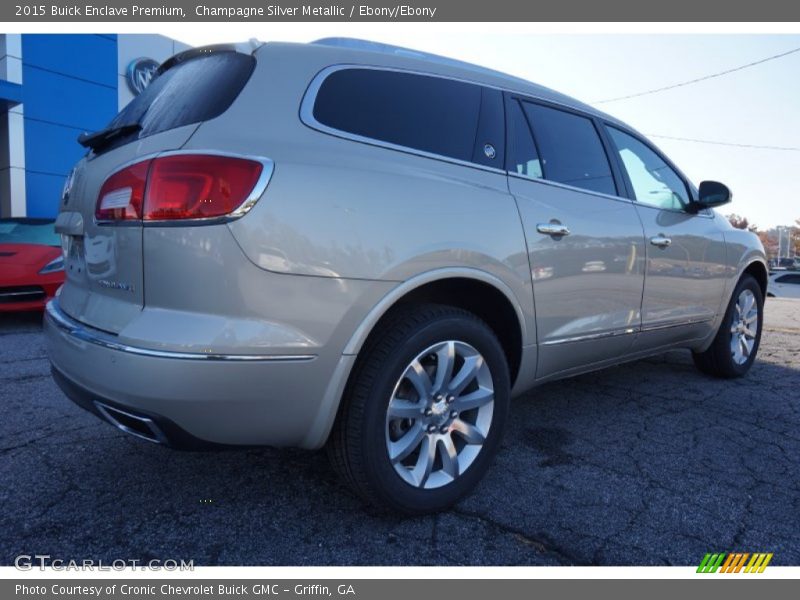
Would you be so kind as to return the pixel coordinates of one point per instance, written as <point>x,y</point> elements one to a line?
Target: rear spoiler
<point>245,48</point>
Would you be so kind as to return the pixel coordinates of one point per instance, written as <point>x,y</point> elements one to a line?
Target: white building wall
<point>12,133</point>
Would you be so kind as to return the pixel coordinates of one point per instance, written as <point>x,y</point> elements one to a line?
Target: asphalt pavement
<point>648,463</point>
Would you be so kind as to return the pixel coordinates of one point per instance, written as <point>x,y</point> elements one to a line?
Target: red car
<point>31,264</point>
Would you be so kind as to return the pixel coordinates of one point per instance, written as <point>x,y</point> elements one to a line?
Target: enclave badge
<point>115,285</point>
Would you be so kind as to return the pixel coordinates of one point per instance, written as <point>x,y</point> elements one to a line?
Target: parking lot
<point>646,463</point>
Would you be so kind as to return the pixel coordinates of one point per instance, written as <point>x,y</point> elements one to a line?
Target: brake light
<point>196,186</point>
<point>122,195</point>
<point>179,186</point>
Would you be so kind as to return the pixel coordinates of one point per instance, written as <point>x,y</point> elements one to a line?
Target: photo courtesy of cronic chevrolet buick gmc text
<point>367,248</point>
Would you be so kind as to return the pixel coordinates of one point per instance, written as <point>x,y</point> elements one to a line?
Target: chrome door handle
<point>660,241</point>
<point>552,229</point>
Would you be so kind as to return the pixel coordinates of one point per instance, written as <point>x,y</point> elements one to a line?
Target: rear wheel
<point>735,346</point>
<point>424,412</point>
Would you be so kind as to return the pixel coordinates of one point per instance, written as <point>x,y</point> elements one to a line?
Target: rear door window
<point>570,149</point>
<point>421,112</point>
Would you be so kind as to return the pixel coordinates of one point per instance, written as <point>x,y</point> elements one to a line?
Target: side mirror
<point>713,193</point>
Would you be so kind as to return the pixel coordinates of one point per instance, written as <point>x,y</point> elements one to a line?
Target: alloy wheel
<point>439,414</point>
<point>744,327</point>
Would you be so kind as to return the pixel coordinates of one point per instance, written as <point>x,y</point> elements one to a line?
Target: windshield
<point>28,231</point>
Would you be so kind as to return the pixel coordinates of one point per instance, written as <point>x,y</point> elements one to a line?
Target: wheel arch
<point>476,291</point>
<point>429,287</point>
<point>759,272</point>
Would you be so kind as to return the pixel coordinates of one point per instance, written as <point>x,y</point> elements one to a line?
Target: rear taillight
<point>122,195</point>
<point>197,186</point>
<point>179,186</point>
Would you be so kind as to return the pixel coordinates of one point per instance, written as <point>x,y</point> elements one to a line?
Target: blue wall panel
<point>67,101</point>
<point>89,57</point>
<point>51,148</point>
<point>69,86</point>
<point>44,193</point>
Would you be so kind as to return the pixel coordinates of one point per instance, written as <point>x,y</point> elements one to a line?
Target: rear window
<point>421,112</point>
<point>195,90</point>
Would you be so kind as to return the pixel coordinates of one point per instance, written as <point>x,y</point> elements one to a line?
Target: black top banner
<point>407,11</point>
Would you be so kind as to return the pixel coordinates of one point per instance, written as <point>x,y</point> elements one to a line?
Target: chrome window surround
<point>73,329</point>
<point>267,169</point>
<point>308,119</point>
<point>310,98</point>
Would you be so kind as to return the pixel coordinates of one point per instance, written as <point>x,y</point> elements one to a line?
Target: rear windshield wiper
<point>101,138</point>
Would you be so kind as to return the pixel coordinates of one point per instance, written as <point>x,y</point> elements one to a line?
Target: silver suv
<point>367,248</point>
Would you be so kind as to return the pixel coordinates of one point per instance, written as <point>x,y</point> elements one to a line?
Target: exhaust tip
<point>135,425</point>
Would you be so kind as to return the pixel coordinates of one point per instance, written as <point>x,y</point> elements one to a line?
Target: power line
<point>731,144</point>
<point>699,79</point>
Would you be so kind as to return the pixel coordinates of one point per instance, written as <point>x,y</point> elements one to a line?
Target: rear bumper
<point>151,427</point>
<point>194,400</point>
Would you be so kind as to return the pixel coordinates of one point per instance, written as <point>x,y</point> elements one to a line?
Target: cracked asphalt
<point>648,463</point>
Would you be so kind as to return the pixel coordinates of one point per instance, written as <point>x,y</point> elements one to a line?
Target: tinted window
<point>524,156</point>
<point>654,182</point>
<point>570,149</point>
<point>195,90</point>
<point>788,279</point>
<point>417,111</point>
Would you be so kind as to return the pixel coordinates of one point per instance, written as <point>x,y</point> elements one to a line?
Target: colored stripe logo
<point>735,562</point>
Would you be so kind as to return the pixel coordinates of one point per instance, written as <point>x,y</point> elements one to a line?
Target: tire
<point>721,360</point>
<point>393,367</point>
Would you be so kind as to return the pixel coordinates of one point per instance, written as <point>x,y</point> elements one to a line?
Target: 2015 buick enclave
<point>350,244</point>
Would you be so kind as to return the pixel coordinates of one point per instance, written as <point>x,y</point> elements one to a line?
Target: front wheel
<point>424,413</point>
<point>735,346</point>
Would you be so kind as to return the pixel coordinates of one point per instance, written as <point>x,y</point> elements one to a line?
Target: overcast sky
<point>758,106</point>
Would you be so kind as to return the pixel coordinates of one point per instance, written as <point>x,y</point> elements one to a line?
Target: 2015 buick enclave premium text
<point>350,245</point>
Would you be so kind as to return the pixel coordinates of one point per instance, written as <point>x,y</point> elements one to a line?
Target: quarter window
<point>524,156</point>
<point>654,182</point>
<point>570,149</point>
<point>425,113</point>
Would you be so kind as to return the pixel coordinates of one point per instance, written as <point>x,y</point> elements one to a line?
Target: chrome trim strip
<point>705,213</point>
<point>659,326</point>
<point>74,329</point>
<point>36,293</point>
<point>572,188</point>
<point>619,332</point>
<point>591,336</point>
